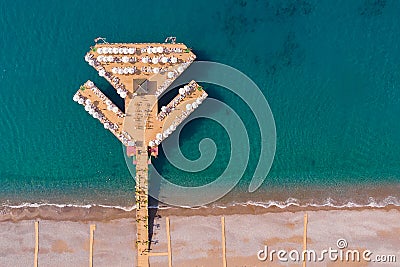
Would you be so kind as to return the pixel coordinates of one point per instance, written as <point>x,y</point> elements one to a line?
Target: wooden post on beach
<point>92,229</point>
<point>223,241</point>
<point>36,244</point>
<point>305,237</point>
<point>169,242</point>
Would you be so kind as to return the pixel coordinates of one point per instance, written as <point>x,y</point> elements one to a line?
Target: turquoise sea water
<point>329,70</point>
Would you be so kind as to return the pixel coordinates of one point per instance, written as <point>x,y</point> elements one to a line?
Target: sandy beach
<point>196,238</point>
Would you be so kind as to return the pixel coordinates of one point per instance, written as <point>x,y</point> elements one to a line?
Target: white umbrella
<point>154,50</point>
<point>172,128</point>
<point>160,49</point>
<point>90,84</point>
<point>198,101</point>
<point>110,59</point>
<point>87,108</point>
<point>131,50</point>
<point>100,58</point>
<point>106,126</point>
<point>125,59</point>
<point>154,60</point>
<point>80,101</point>
<point>91,62</point>
<point>165,134</point>
<point>120,50</point>
<point>76,98</point>
<point>123,94</point>
<point>108,102</point>
<point>180,69</point>
<point>149,50</point>
<point>159,136</point>
<point>182,91</point>
<point>163,108</point>
<point>158,141</point>
<point>110,50</point>
<point>169,131</point>
<point>87,58</point>
<point>109,107</point>
<point>115,50</point>
<point>188,107</point>
<point>187,88</point>
<point>99,50</point>
<point>95,115</point>
<point>126,71</point>
<point>120,71</point>
<point>164,60</point>
<point>145,59</point>
<point>114,70</point>
<point>91,111</point>
<point>151,143</point>
<point>88,102</point>
<point>115,109</point>
<point>156,70</point>
<point>174,60</point>
<point>195,105</point>
<point>131,70</point>
<point>102,72</point>
<point>170,74</point>
<point>125,50</point>
<point>119,91</point>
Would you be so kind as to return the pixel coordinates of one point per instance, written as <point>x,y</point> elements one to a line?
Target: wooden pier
<point>140,73</point>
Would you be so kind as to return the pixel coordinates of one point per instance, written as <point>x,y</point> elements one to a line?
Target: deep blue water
<point>329,70</point>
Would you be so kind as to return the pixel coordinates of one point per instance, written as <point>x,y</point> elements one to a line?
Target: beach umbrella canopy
<point>109,107</point>
<point>188,106</point>
<point>160,49</point>
<point>165,134</point>
<point>182,91</point>
<point>195,105</point>
<point>91,111</point>
<point>145,59</point>
<point>120,50</point>
<point>159,136</point>
<point>91,62</point>
<point>119,91</point>
<point>131,70</point>
<point>156,70</point>
<point>126,71</point>
<point>102,72</point>
<point>198,101</point>
<point>90,84</point>
<point>172,128</point>
<point>125,59</point>
<point>163,108</point>
<point>115,109</point>
<point>100,58</point>
<point>120,71</point>
<point>180,69</point>
<point>164,60</point>
<point>131,50</point>
<point>108,102</point>
<point>88,102</point>
<point>80,101</point>
<point>157,142</point>
<point>110,59</point>
<point>149,50</point>
<point>76,98</point>
<point>87,108</point>
<point>154,50</point>
<point>154,60</point>
<point>123,94</point>
<point>106,126</point>
<point>99,50</point>
<point>114,70</point>
<point>115,50</point>
<point>95,115</point>
<point>151,143</point>
<point>170,74</point>
<point>87,58</point>
<point>169,131</point>
<point>125,50</point>
<point>174,59</point>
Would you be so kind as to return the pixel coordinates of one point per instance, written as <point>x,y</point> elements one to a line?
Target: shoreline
<point>107,214</point>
